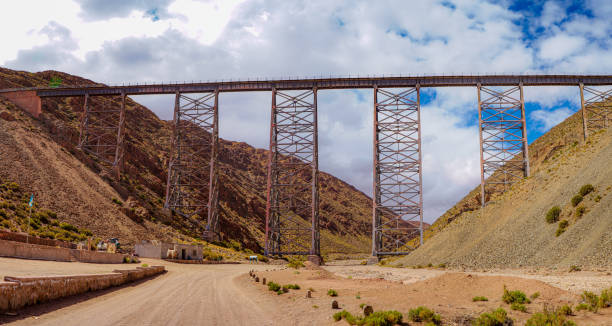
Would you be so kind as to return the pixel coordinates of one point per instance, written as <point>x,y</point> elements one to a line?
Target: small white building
<point>161,250</point>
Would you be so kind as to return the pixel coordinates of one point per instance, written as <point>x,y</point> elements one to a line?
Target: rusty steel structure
<point>102,132</point>
<point>596,108</point>
<point>397,206</point>
<point>192,165</point>
<point>292,220</point>
<point>292,210</point>
<point>504,156</point>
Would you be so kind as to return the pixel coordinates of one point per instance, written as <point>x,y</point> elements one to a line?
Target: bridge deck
<point>326,83</point>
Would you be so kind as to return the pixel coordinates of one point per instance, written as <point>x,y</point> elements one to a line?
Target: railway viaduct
<point>292,183</point>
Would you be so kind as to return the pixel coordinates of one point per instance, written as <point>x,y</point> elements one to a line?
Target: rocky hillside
<point>513,230</point>
<point>40,156</point>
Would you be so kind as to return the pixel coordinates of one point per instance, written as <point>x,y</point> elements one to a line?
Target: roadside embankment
<point>18,292</point>
<point>33,251</point>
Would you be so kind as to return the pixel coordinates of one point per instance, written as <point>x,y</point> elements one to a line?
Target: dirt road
<point>186,295</point>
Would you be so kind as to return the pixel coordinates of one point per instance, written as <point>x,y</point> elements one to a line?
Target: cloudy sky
<point>117,41</point>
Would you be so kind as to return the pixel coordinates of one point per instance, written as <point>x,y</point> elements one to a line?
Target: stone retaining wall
<point>18,292</point>
<point>33,251</point>
<point>23,237</point>
<point>206,262</point>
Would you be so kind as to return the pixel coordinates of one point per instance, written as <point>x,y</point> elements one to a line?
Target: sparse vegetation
<point>553,214</point>
<point>295,263</point>
<point>293,286</point>
<point>574,268</point>
<point>518,307</point>
<point>516,296</point>
<point>332,293</point>
<point>549,318</point>
<point>497,317</point>
<point>273,286</point>
<point>562,227</point>
<point>593,302</point>
<point>577,199</point>
<point>479,298</point>
<point>145,265</point>
<point>377,318</point>
<point>535,295</point>
<point>580,210</point>
<point>117,201</point>
<point>424,314</point>
<point>586,189</point>
<point>565,310</point>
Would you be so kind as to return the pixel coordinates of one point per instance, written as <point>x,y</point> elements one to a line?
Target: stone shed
<point>160,250</point>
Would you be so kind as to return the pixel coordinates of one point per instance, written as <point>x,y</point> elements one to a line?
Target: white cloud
<point>547,119</point>
<point>561,46</point>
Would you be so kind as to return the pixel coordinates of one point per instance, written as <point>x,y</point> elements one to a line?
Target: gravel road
<point>186,295</point>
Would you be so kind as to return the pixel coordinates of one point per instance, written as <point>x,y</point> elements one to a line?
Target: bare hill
<point>512,230</point>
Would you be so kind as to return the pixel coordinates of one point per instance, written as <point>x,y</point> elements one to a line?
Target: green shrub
<point>293,286</point>
<point>377,318</point>
<point>145,265</point>
<point>518,307</point>
<point>424,314</point>
<point>586,189</point>
<point>553,214</point>
<point>68,227</point>
<point>592,300</point>
<point>562,227</point>
<point>597,199</point>
<point>497,317</point>
<point>235,245</point>
<point>565,310</point>
<point>549,318</point>
<point>273,286</point>
<point>117,201</point>
<point>332,293</point>
<point>285,288</point>
<point>280,291</point>
<point>6,224</point>
<point>580,210</point>
<point>262,258</point>
<point>575,268</point>
<point>576,200</point>
<point>295,263</point>
<point>127,259</point>
<point>535,295</point>
<point>605,298</point>
<point>442,265</point>
<point>517,296</point>
<point>479,298</point>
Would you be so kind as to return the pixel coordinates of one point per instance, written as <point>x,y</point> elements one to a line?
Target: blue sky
<point>168,40</point>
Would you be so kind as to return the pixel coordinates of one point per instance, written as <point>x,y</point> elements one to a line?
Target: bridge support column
<point>192,185</point>
<point>292,210</point>
<point>397,210</point>
<point>504,155</point>
<point>103,131</point>
<point>596,108</point>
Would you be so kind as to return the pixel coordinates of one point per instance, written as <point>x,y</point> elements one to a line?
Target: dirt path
<point>186,295</point>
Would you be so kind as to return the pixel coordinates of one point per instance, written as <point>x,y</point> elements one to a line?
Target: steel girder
<point>398,200</point>
<point>596,108</point>
<point>192,185</point>
<point>102,132</point>
<point>292,210</point>
<point>504,156</point>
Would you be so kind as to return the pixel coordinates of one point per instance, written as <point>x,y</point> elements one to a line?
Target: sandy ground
<point>186,295</point>
<point>226,295</point>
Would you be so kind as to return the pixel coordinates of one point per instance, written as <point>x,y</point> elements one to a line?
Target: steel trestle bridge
<point>292,209</point>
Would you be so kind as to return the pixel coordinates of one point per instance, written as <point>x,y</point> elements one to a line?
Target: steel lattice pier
<point>398,201</point>
<point>102,131</point>
<point>596,108</point>
<point>504,157</point>
<point>192,185</point>
<point>292,221</point>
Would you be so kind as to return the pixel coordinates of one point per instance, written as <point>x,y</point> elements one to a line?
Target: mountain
<point>512,230</point>
<point>39,156</point>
